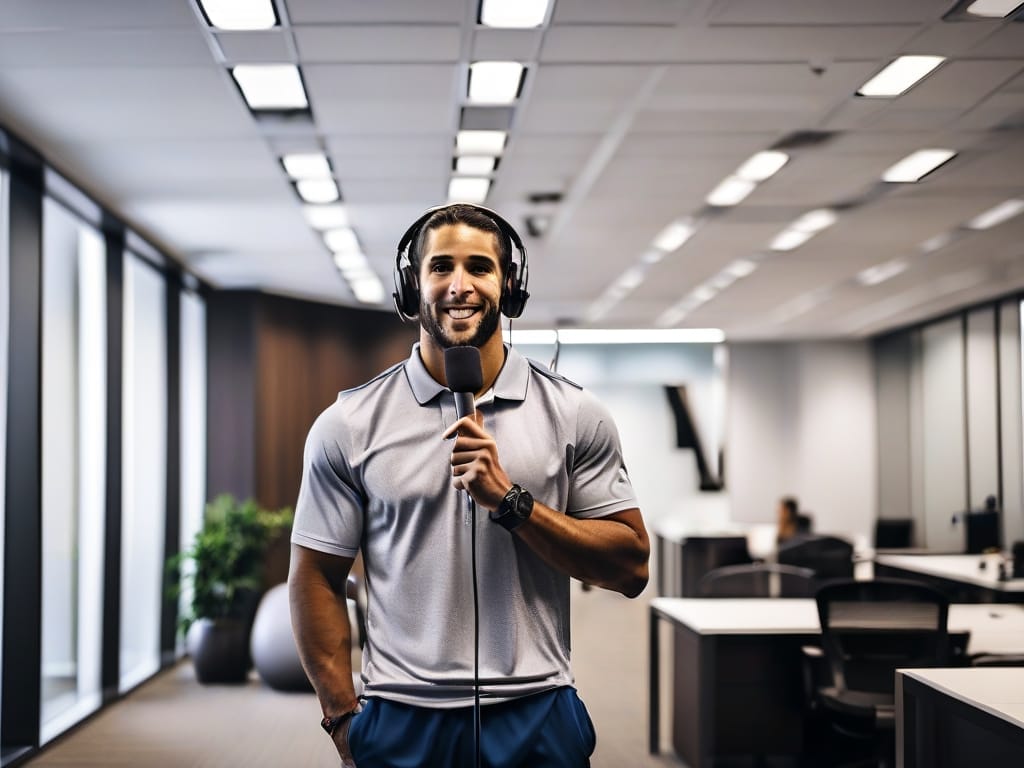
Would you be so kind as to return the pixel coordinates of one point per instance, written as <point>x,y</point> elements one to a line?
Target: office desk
<point>959,718</point>
<point>958,576</point>
<point>737,669</point>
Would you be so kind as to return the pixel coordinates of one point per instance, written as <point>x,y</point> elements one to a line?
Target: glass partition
<point>73,467</point>
<point>143,469</point>
<point>193,423</point>
<point>5,282</point>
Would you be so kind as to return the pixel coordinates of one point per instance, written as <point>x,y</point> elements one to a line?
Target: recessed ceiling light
<point>494,82</point>
<point>516,14</point>
<point>730,191</point>
<point>351,262</point>
<point>306,165</point>
<point>996,9</point>
<point>480,142</point>
<point>325,216</point>
<point>468,189</point>
<point>816,220</point>
<point>935,242</point>
<point>232,14</point>
<point>917,165</point>
<point>788,239</point>
<point>673,236</point>
<point>475,166</point>
<point>741,267</point>
<point>317,190</point>
<point>881,272</point>
<point>997,215</point>
<point>271,86</point>
<point>900,75</point>
<point>640,335</point>
<point>342,240</point>
<point>763,165</point>
<point>368,291</point>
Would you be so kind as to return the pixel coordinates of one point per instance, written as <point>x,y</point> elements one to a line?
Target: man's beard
<point>486,328</point>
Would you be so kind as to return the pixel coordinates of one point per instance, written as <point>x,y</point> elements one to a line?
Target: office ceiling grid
<point>632,112</point>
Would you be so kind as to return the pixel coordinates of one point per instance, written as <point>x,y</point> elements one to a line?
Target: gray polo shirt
<point>377,479</point>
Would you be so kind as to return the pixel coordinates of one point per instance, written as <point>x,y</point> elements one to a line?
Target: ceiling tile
<point>378,43</point>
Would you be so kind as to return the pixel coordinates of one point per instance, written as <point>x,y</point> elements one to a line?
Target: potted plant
<point>221,570</point>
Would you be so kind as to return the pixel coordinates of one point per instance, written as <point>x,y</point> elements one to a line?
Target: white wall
<point>801,421</point>
<point>630,381</point>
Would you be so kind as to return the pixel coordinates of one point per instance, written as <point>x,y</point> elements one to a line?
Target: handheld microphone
<point>465,377</point>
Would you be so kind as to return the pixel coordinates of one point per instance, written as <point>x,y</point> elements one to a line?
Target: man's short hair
<point>471,216</point>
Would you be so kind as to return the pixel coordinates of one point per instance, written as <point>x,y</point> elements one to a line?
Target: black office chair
<point>869,629</point>
<point>830,557</point>
<point>894,533</point>
<point>757,580</point>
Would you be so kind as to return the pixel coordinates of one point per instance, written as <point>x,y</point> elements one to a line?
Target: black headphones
<point>407,282</point>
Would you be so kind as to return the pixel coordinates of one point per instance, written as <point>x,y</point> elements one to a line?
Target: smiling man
<point>383,474</point>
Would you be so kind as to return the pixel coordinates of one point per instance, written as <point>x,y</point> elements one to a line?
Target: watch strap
<point>332,724</point>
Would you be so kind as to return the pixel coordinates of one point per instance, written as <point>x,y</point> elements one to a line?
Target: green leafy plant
<point>224,562</point>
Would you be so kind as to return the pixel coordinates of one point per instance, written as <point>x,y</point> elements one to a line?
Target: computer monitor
<point>982,531</point>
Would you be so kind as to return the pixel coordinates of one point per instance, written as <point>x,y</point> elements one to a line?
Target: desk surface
<point>996,690</point>
<point>963,568</point>
<point>993,628</point>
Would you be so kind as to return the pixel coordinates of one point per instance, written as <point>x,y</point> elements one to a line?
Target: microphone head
<point>462,369</point>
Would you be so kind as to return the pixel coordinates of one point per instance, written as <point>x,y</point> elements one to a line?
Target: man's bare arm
<point>319,611</point>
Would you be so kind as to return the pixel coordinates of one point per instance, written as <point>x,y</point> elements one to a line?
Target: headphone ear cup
<point>513,301</point>
<point>407,292</point>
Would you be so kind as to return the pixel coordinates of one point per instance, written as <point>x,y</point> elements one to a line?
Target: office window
<point>144,469</point>
<point>73,467</point>
<point>5,282</point>
<point>193,420</point>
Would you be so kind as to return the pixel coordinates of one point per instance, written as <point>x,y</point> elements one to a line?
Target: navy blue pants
<point>546,730</point>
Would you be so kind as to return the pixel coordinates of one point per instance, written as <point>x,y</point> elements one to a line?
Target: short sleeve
<point>600,484</point>
<point>329,511</point>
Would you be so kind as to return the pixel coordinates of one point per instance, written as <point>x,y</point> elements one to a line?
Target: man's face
<point>460,285</point>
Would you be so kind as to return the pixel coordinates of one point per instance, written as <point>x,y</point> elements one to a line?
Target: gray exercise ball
<point>273,645</point>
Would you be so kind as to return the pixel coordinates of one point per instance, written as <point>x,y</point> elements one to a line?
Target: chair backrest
<point>869,629</point>
<point>757,580</point>
<point>830,557</point>
<point>894,533</point>
<point>700,554</point>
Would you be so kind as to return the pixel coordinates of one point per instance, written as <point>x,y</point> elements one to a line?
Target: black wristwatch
<point>331,724</point>
<point>514,509</point>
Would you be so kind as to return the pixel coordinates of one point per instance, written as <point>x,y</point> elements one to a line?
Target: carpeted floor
<point>174,721</point>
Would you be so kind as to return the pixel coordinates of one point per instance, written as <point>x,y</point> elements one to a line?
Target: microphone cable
<point>476,637</point>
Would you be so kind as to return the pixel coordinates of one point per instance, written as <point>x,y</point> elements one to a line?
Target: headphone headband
<point>407,289</point>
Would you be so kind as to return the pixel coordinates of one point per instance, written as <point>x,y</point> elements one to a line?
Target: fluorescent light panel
<point>815,221</point>
<point>240,14</point>
<point>917,165</point>
<point>788,239</point>
<point>997,215</point>
<point>730,191</point>
<point>317,190</point>
<point>763,165</point>
<point>468,189</point>
<point>673,236</point>
<point>494,82</point>
<point>480,142</point>
<point>741,267</point>
<point>515,14</point>
<point>325,216</point>
<point>474,165</point>
<point>306,165</point>
<point>900,75</point>
<point>881,272</point>
<point>342,240</point>
<point>993,9</point>
<point>367,291</point>
<point>621,336</point>
<point>271,86</point>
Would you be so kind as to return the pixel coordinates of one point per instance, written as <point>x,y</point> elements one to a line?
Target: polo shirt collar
<point>510,384</point>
